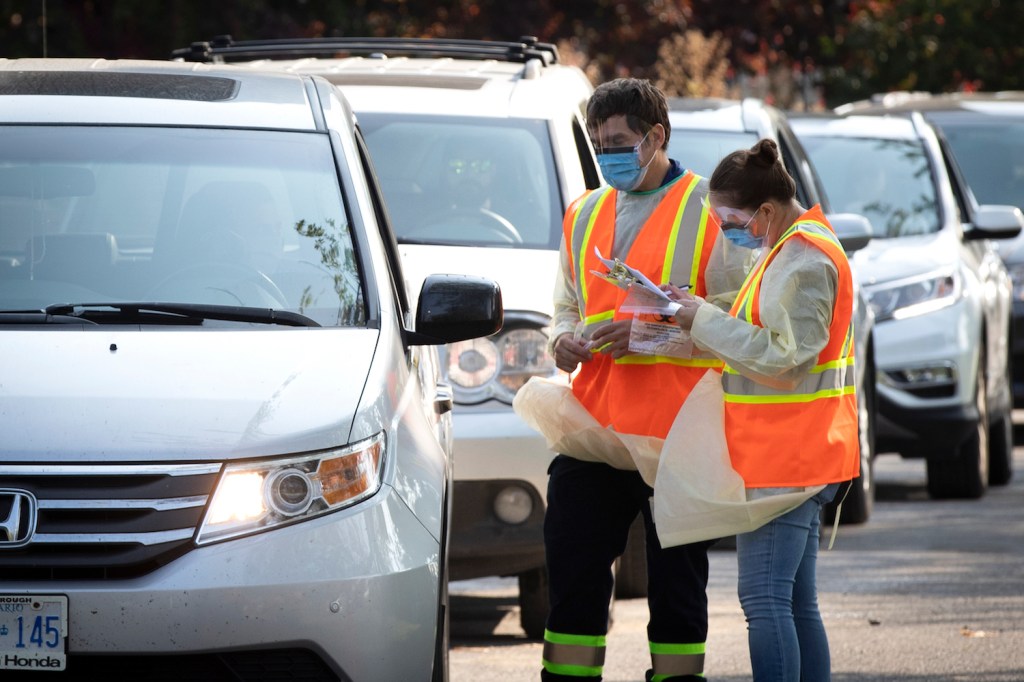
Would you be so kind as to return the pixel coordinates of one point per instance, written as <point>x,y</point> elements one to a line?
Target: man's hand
<point>569,353</point>
<point>613,338</point>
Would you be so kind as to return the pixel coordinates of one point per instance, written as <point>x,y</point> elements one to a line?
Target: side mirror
<point>854,230</point>
<point>994,221</point>
<point>455,308</point>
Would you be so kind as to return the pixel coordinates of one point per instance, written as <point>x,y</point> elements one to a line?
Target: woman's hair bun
<point>764,153</point>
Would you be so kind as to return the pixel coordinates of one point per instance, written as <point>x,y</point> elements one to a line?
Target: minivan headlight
<point>498,366</point>
<point>255,496</point>
<point>912,297</point>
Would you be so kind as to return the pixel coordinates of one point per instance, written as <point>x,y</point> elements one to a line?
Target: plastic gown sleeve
<point>798,293</point>
<point>567,305</point>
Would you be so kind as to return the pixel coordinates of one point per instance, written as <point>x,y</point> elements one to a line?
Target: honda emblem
<point>18,509</point>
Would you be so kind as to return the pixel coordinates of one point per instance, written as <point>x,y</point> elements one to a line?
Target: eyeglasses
<point>728,217</point>
<point>633,149</point>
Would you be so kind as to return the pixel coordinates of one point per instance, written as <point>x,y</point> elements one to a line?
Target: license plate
<point>33,631</point>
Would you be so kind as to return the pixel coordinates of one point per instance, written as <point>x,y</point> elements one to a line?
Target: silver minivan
<point>227,447</point>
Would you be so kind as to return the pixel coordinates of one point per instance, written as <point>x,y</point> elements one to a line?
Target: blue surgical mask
<point>622,169</point>
<point>741,236</point>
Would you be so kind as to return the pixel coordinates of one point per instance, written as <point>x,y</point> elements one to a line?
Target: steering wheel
<point>220,283</point>
<point>466,224</point>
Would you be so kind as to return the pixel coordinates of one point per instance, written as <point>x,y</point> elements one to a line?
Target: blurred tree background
<point>798,54</point>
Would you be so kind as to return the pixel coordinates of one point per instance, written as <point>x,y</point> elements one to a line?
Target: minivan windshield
<point>214,217</point>
<point>888,181</point>
<point>467,181</point>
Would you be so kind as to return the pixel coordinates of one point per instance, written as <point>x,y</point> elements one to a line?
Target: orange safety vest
<point>808,435</point>
<point>638,394</point>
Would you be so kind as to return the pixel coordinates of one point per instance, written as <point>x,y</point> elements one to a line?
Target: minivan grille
<point>102,521</point>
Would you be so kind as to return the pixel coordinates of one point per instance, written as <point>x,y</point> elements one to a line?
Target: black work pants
<point>590,509</point>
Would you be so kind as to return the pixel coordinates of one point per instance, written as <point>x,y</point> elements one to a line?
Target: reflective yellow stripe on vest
<point>672,660</point>
<point>829,379</point>
<point>826,380</point>
<point>573,655</point>
<point>584,250</point>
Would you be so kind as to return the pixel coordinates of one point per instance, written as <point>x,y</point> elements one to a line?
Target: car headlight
<point>1017,277</point>
<point>912,297</point>
<point>255,496</point>
<point>498,366</point>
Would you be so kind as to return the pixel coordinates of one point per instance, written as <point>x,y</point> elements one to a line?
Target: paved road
<point>925,591</point>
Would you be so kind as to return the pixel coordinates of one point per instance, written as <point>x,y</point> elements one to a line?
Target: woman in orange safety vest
<point>790,408</point>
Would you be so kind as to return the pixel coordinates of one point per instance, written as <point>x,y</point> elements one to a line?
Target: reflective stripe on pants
<point>573,655</point>
<point>674,660</point>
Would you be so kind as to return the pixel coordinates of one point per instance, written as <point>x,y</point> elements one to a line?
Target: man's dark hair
<point>643,105</point>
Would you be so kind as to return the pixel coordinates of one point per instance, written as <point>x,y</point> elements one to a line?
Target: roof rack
<point>224,48</point>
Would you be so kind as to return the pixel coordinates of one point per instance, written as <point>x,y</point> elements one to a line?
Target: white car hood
<point>886,260</point>
<point>131,395</point>
<point>526,276</point>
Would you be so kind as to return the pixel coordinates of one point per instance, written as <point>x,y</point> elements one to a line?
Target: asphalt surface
<point>924,591</point>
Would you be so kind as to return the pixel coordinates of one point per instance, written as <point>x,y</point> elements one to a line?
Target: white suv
<point>479,147</point>
<point>226,446</point>
<point>940,292</point>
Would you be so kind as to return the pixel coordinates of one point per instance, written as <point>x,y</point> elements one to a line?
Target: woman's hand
<point>688,305</point>
<point>674,292</point>
<point>687,311</point>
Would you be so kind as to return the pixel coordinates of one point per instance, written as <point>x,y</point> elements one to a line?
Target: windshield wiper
<point>30,317</point>
<point>174,313</point>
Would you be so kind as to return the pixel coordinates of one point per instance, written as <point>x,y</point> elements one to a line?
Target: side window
<point>383,224</point>
<point>961,192</point>
<point>590,173</point>
<point>799,168</point>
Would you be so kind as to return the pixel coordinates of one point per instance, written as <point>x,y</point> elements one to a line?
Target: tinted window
<point>990,152</point>
<point>248,218</point>
<point>469,181</point>
<point>701,150</point>
<point>889,181</point>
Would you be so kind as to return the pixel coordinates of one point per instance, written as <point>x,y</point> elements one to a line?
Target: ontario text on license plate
<point>33,631</point>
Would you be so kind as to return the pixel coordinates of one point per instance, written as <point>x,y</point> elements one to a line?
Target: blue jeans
<point>779,596</point>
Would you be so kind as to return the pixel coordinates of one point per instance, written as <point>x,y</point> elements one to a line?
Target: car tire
<point>859,502</point>
<point>534,601</point>
<point>963,473</point>
<point>1000,449</point>
<point>1000,439</point>
<point>631,567</point>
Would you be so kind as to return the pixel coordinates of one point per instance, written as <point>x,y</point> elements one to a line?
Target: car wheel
<point>1000,448</point>
<point>963,473</point>
<point>631,567</point>
<point>534,601</point>
<point>1000,442</point>
<point>860,500</point>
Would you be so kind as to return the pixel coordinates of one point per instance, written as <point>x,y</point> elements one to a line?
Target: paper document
<point>644,296</point>
<point>622,276</point>
<point>653,331</point>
